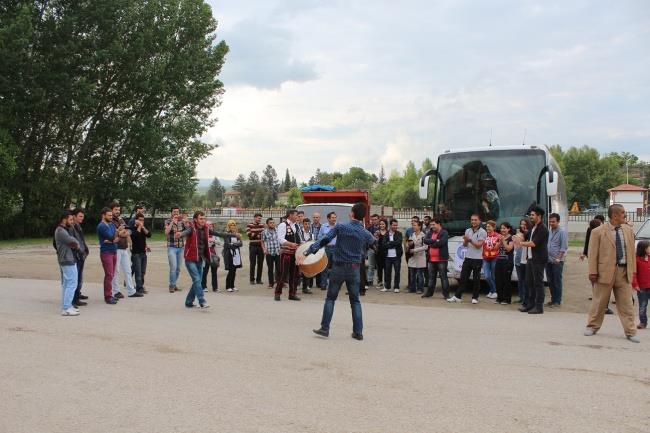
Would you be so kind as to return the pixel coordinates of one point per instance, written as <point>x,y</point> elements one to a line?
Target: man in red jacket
<point>197,251</point>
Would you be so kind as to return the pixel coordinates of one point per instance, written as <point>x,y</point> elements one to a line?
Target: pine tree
<point>286,185</point>
<point>382,175</point>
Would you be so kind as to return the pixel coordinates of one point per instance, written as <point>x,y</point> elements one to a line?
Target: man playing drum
<point>352,242</point>
<point>289,241</point>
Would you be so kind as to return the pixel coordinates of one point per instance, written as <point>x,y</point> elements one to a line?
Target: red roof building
<point>633,197</point>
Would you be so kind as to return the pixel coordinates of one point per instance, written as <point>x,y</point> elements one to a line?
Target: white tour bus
<point>498,183</point>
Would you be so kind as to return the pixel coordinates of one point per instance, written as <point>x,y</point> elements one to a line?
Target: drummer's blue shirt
<point>351,244</point>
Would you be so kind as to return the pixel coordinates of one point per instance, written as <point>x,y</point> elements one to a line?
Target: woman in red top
<point>490,254</point>
<point>641,281</point>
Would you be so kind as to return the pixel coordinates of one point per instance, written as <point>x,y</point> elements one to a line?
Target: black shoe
<point>277,297</point>
<point>536,310</point>
<point>83,297</point>
<point>294,298</point>
<point>111,301</point>
<point>258,282</point>
<point>362,292</point>
<point>190,305</point>
<point>609,311</point>
<point>136,295</point>
<point>252,282</point>
<point>144,291</point>
<point>525,309</point>
<point>428,295</point>
<point>80,304</point>
<point>307,291</point>
<point>322,332</point>
<point>357,336</point>
<point>119,296</point>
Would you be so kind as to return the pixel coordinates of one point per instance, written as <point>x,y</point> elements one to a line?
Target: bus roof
<point>490,148</point>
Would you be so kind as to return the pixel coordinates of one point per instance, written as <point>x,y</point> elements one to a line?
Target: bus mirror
<point>424,188</point>
<point>551,183</point>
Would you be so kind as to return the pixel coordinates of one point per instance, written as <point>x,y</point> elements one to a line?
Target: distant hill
<point>205,183</point>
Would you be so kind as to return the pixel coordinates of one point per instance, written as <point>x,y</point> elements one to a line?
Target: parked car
<point>644,231</point>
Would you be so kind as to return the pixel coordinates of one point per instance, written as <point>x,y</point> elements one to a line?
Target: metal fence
<point>586,217</point>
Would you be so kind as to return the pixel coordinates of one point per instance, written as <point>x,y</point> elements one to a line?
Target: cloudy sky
<point>330,84</point>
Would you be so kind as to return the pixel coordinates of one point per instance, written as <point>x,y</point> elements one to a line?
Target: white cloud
<point>332,84</point>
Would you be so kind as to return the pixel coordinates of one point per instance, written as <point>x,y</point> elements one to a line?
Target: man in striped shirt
<point>271,248</point>
<point>255,253</point>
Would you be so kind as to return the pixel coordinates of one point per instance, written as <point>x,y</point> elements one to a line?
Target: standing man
<point>372,255</point>
<point>136,210</point>
<point>271,249</point>
<point>107,234</point>
<point>437,258</point>
<point>473,262</point>
<point>353,241</point>
<point>612,264</point>
<point>394,251</point>
<point>197,252</point>
<point>329,248</point>
<point>139,250</point>
<point>123,259</point>
<point>536,244</point>
<point>175,244</point>
<point>81,253</point>
<point>289,239</point>
<point>255,253</point>
<point>557,248</point>
<point>66,245</point>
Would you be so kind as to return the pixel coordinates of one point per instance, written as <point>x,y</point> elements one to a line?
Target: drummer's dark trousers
<point>288,274</point>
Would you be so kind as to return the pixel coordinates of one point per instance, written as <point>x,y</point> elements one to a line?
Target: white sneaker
<point>474,301</point>
<point>454,299</point>
<point>235,289</point>
<point>384,289</point>
<point>70,312</point>
<point>74,308</point>
<point>230,290</point>
<point>491,295</point>
<point>396,290</point>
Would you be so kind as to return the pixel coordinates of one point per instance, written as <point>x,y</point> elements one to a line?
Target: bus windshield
<point>498,185</point>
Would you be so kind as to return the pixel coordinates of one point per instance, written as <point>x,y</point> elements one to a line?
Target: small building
<point>633,198</point>
<point>231,197</point>
<point>283,198</point>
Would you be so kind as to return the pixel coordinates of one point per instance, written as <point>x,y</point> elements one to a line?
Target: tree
<point>382,175</point>
<point>215,192</point>
<point>294,198</point>
<point>270,185</point>
<point>100,97</point>
<point>286,185</point>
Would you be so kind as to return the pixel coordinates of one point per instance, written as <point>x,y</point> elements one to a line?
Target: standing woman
<point>380,252</point>
<point>231,254</point>
<point>520,260</point>
<point>490,254</point>
<point>504,266</point>
<point>418,261</point>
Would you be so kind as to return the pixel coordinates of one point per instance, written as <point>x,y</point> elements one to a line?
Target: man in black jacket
<point>437,257</point>
<point>536,244</point>
<point>394,251</point>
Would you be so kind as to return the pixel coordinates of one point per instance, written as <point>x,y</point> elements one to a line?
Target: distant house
<point>283,198</point>
<point>633,198</point>
<point>231,197</point>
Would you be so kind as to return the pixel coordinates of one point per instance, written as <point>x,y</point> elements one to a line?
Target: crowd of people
<point>492,250</point>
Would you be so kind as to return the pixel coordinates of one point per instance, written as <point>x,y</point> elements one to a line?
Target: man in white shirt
<point>473,262</point>
<point>289,239</point>
<point>329,248</point>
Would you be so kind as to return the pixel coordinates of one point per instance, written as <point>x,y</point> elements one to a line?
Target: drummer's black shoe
<point>294,298</point>
<point>357,336</point>
<point>322,332</point>
<point>277,297</point>
<point>362,292</point>
<point>307,291</point>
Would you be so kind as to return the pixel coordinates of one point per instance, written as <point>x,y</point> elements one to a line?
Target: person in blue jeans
<point>175,246</point>
<point>557,248</point>
<point>352,242</point>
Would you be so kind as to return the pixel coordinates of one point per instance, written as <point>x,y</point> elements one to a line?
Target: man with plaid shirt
<point>271,248</point>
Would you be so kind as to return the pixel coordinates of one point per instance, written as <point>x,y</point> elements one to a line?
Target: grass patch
<point>576,243</point>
